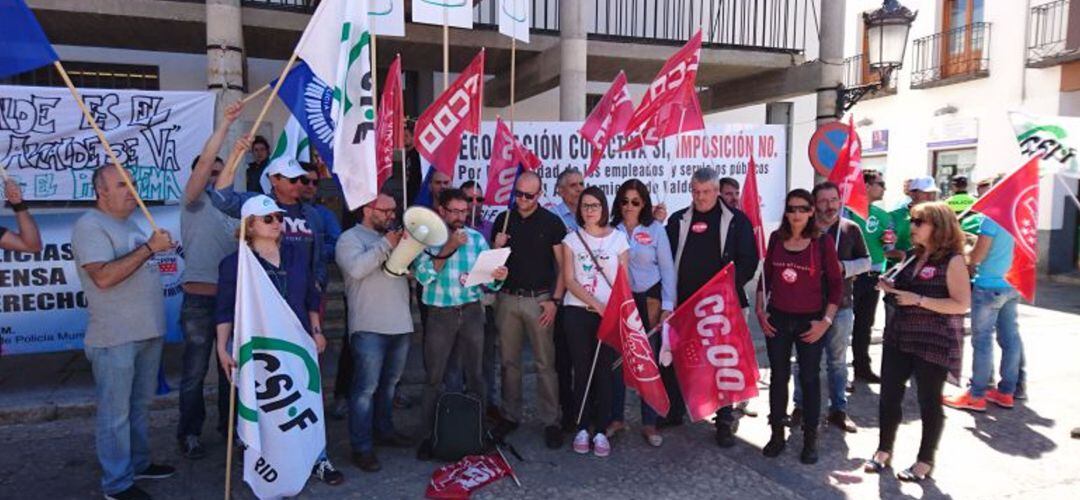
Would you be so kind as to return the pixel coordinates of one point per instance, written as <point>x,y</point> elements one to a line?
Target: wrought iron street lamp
<point>887,31</point>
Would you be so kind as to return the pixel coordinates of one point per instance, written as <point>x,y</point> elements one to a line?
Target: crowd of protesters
<point>931,267</point>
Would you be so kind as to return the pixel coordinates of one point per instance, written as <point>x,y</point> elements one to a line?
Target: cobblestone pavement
<point>1021,453</point>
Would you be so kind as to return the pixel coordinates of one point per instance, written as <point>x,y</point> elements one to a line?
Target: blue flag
<point>310,100</point>
<point>423,197</point>
<point>23,45</point>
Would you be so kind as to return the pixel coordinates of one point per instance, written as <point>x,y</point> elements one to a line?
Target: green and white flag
<point>1054,139</point>
<point>279,389</point>
<point>292,142</point>
<point>336,45</point>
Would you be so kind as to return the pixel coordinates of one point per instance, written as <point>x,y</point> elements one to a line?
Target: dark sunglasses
<point>302,180</point>
<point>633,203</point>
<point>270,218</point>
<point>475,199</point>
<point>917,222</point>
<point>523,194</point>
<point>802,209</point>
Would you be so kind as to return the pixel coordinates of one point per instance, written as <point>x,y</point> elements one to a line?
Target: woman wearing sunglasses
<point>800,266</point>
<point>292,277</point>
<point>924,337</point>
<point>652,280</point>
<point>592,256</point>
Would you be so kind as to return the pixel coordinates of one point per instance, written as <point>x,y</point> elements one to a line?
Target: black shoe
<point>867,376</point>
<point>795,420</point>
<point>776,442</point>
<point>366,462</point>
<point>1020,393</point>
<point>132,493</point>
<point>725,436</point>
<point>809,451</point>
<point>553,437</point>
<point>850,387</point>
<point>191,448</point>
<point>395,440</point>
<point>327,473</point>
<point>156,471</point>
<point>503,429</point>
<point>423,452</point>
<point>841,421</point>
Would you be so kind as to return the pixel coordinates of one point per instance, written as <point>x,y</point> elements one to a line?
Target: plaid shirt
<point>445,288</point>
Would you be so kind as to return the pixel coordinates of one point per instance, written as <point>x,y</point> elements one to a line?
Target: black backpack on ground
<point>459,427</point>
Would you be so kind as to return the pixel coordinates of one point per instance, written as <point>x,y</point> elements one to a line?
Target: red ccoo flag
<point>621,329</point>
<point>608,119</point>
<point>714,357</point>
<point>456,111</point>
<point>1014,205</point>
<point>750,203</point>
<point>390,125</point>
<point>459,479</point>
<point>506,156</point>
<point>847,174</point>
<point>670,106</point>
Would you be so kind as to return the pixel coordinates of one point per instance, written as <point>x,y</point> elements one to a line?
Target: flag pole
<point>255,94</point>
<point>374,69</point>
<point>445,49</point>
<point>513,77</point>
<point>1069,190</point>
<point>232,397</point>
<point>588,383</point>
<point>104,143</point>
<point>230,170</point>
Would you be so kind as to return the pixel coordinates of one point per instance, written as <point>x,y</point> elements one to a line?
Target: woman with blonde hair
<point>924,338</point>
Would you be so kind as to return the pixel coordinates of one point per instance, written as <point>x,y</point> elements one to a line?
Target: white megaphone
<point>423,228</point>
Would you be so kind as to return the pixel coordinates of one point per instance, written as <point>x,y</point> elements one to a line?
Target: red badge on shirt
<point>927,273</point>
<point>789,275</point>
<point>699,227</point>
<point>644,238</point>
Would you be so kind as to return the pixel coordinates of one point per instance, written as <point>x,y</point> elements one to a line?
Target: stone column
<point>830,51</point>
<point>225,52</point>
<point>573,53</point>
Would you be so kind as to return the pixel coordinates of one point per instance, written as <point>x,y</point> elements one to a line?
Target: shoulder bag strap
<point>593,257</point>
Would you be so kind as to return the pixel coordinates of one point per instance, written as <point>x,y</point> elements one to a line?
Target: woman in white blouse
<point>591,259</point>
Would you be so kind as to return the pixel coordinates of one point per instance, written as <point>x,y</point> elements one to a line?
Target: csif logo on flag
<point>357,95</point>
<point>319,104</point>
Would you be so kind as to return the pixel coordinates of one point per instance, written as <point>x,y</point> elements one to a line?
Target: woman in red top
<point>800,265</point>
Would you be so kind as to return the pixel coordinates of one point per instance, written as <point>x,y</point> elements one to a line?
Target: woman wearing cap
<point>924,338</point>
<point>652,280</point>
<point>292,277</point>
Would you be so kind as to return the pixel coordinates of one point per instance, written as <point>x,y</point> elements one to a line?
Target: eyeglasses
<point>634,202</point>
<point>271,218</point>
<point>528,196</point>
<point>456,212</point>
<point>591,206</point>
<point>475,199</point>
<point>802,209</point>
<point>302,180</point>
<point>917,222</point>
<point>385,211</point>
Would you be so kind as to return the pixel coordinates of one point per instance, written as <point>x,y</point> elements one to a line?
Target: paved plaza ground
<point>48,444</point>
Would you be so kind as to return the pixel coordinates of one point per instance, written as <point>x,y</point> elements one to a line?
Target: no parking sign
<point>825,146</point>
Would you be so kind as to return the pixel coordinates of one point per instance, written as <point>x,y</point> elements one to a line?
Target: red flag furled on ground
<point>750,203</point>
<point>670,105</point>
<point>390,123</point>
<point>847,174</point>
<point>608,119</point>
<point>458,480</point>
<point>621,329</point>
<point>1014,205</point>
<point>507,155</point>
<point>454,112</point>
<point>713,353</point>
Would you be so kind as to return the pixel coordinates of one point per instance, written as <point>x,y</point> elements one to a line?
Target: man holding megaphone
<point>455,319</point>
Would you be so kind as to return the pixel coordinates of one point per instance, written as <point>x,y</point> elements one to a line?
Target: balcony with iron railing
<point>952,56</point>
<point>774,25</point>
<point>1048,36</point>
<point>857,73</point>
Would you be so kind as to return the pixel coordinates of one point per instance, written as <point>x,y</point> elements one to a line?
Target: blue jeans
<point>125,377</point>
<point>837,339</point>
<point>995,309</point>
<point>200,334</point>
<point>380,361</point>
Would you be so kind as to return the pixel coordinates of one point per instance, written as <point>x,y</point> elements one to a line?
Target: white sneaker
<point>581,441</point>
<point>601,446</point>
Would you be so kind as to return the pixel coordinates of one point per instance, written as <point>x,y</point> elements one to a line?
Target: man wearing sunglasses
<point>878,233</point>
<point>526,306</point>
<point>705,237</point>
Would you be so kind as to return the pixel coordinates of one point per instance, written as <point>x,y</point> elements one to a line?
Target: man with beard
<point>455,319</point>
<point>729,192</point>
<point>379,326</point>
<point>854,260</point>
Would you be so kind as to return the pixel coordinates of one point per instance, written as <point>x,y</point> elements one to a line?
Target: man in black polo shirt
<point>705,237</point>
<point>525,306</point>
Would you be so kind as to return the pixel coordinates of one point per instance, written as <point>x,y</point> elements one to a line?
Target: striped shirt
<point>446,288</point>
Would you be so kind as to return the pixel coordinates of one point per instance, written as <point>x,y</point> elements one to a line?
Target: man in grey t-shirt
<point>126,330</point>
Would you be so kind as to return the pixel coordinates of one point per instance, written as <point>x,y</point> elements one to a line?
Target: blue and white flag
<point>23,45</point>
<point>310,101</point>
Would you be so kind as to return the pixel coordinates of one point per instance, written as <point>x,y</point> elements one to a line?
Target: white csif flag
<point>514,19</point>
<point>279,390</point>
<point>336,45</point>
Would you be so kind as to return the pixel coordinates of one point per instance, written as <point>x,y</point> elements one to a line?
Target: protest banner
<point>42,306</point>
<point>665,169</point>
<point>47,145</point>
